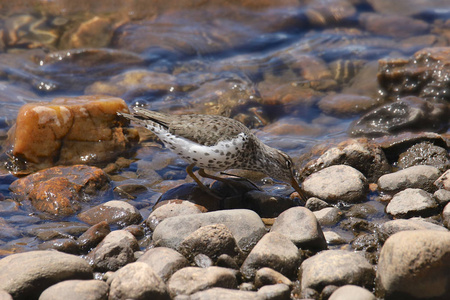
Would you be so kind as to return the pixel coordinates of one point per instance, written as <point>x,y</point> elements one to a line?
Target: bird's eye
<point>288,164</point>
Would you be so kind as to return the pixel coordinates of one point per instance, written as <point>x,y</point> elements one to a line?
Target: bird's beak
<point>297,188</point>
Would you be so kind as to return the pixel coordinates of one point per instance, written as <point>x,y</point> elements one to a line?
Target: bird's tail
<point>142,116</point>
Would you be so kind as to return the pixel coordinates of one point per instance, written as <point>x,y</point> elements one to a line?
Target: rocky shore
<point>355,91</point>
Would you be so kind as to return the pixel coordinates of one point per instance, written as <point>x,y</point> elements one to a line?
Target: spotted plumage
<point>216,143</point>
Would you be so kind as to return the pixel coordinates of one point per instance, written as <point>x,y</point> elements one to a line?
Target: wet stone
<point>345,105</point>
<point>268,276</point>
<point>336,267</point>
<point>362,211</point>
<point>393,25</point>
<point>115,251</point>
<point>301,227</point>
<point>172,208</point>
<point>328,216</point>
<point>275,251</point>
<point>415,264</point>
<point>164,261</point>
<point>245,225</point>
<point>210,240</point>
<point>75,130</point>
<point>333,238</point>
<point>266,205</point>
<point>93,236</point>
<point>366,157</point>
<point>192,279</point>
<point>26,275</point>
<point>405,114</point>
<point>391,227</point>
<point>424,75</point>
<point>425,154</point>
<point>314,204</point>
<point>352,292</point>
<point>130,190</point>
<point>420,177</point>
<point>59,190</point>
<point>49,231</point>
<point>412,202</point>
<point>137,281</point>
<point>76,289</point>
<point>443,182</point>
<point>63,245</point>
<point>337,183</point>
<point>114,212</point>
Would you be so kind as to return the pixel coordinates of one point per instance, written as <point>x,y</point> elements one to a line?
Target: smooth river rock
<point>114,212</point>
<point>164,261</point>
<point>412,202</point>
<point>420,177</point>
<point>300,225</point>
<point>245,225</point>
<point>415,264</point>
<point>275,251</point>
<point>337,183</point>
<point>76,290</point>
<point>26,275</point>
<point>335,267</point>
<point>137,281</point>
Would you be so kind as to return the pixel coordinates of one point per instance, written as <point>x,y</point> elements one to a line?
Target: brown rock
<point>58,190</point>
<point>393,25</point>
<point>113,212</point>
<point>74,130</point>
<point>346,104</point>
<point>93,235</point>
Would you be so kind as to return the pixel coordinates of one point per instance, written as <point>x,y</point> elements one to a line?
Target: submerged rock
<point>59,190</point>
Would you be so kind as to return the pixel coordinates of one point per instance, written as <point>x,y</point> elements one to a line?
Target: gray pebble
<point>328,216</point>
<point>268,276</point>
<point>192,279</point>
<point>352,292</point>
<point>314,204</point>
<point>391,227</point>
<point>245,225</point>
<point>137,281</point>
<point>443,182</point>
<point>337,183</point>
<point>411,202</point>
<point>210,240</point>
<point>171,209</point>
<point>164,261</point>
<point>335,267</point>
<point>421,177</point>
<point>76,290</point>
<point>115,251</point>
<point>300,225</point>
<point>275,251</point>
<point>26,275</point>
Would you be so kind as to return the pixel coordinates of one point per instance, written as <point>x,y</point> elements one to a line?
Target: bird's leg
<point>235,185</point>
<point>200,184</point>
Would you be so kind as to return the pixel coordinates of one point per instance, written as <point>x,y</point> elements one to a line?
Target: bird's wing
<point>205,129</point>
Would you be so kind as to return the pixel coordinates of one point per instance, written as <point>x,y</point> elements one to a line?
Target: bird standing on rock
<point>216,143</point>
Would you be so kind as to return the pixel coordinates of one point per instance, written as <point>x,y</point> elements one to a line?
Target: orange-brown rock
<point>75,130</point>
<point>59,190</point>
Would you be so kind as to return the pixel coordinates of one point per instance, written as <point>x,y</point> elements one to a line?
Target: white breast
<point>218,157</point>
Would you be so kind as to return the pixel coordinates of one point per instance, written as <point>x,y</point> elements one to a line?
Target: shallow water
<point>265,64</point>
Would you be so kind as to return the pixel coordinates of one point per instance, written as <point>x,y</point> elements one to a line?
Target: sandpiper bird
<point>216,143</point>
